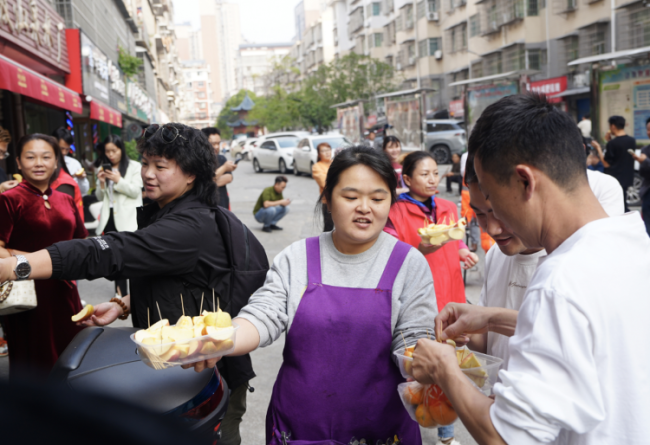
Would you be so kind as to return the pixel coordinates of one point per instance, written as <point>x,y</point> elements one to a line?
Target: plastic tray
<point>443,235</point>
<point>183,352</point>
<point>483,377</point>
<point>426,404</point>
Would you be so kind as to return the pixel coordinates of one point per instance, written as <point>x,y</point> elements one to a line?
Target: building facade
<point>254,61</point>
<point>196,107</point>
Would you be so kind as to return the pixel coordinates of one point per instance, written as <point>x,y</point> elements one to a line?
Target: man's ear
<point>527,177</point>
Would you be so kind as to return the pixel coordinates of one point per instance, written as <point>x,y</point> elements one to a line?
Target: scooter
<point>105,361</point>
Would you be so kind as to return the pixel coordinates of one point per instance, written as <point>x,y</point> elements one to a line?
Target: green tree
<point>316,99</point>
<point>129,64</point>
<point>132,150</point>
<point>277,111</point>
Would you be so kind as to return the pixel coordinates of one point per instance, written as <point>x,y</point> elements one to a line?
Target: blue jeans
<point>271,215</point>
<point>445,432</point>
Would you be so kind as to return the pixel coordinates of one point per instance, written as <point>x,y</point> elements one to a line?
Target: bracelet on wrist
<point>122,304</point>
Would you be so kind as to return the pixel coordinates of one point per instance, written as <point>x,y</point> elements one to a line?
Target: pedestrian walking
<point>177,249</point>
<point>319,173</point>
<point>344,298</point>
<point>225,167</point>
<point>535,180</point>
<point>618,162</point>
<point>585,126</point>
<point>272,206</point>
<point>644,170</point>
<point>392,147</point>
<point>74,168</point>
<point>32,217</point>
<point>119,188</point>
<point>454,174</point>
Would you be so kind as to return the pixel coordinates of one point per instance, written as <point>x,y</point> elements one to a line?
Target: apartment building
<point>254,61</point>
<point>318,44</point>
<point>473,51</point>
<point>196,107</point>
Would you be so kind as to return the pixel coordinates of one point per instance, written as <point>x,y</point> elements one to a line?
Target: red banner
<point>22,80</point>
<point>549,87</point>
<point>457,108</point>
<point>104,113</point>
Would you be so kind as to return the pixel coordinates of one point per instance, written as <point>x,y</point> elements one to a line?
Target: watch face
<point>23,270</point>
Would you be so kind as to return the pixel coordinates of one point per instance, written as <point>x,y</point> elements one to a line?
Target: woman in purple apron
<point>348,299</point>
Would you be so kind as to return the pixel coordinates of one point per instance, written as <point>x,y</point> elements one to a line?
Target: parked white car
<point>305,154</point>
<point>274,153</point>
<point>237,149</point>
<point>243,148</point>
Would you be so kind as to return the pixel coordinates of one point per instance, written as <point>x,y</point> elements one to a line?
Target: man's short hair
<point>63,134</point>
<point>586,116</point>
<point>527,129</point>
<point>279,179</point>
<point>470,171</point>
<point>617,121</point>
<point>209,131</point>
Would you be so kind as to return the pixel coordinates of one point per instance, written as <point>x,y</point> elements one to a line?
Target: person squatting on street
<point>344,298</point>
<point>33,217</point>
<point>272,206</point>
<point>319,173</point>
<point>571,378</point>
<point>119,189</point>
<point>176,250</point>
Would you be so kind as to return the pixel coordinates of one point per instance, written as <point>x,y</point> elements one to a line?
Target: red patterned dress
<point>37,337</point>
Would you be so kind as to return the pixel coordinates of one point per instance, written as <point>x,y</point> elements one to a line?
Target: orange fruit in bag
<point>414,394</point>
<point>439,406</point>
<point>423,417</point>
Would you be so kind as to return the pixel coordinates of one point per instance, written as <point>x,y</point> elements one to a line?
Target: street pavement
<point>301,222</point>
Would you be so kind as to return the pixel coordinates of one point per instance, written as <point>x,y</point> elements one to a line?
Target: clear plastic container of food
<point>439,234</point>
<point>160,355</point>
<point>427,404</point>
<point>481,369</point>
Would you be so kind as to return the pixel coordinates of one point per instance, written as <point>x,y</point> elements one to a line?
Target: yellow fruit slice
<point>18,177</point>
<point>85,313</point>
<point>456,233</point>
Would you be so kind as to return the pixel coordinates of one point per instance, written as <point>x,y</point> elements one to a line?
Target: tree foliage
<point>290,104</point>
<point>129,64</point>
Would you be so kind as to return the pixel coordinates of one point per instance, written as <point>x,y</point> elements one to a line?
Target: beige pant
<point>230,423</point>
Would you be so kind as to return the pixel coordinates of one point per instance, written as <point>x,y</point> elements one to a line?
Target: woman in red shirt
<point>32,217</point>
<point>393,149</point>
<point>420,175</point>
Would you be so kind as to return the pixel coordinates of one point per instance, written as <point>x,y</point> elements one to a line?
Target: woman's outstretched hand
<point>104,314</point>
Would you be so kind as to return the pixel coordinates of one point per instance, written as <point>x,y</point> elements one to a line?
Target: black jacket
<point>644,171</point>
<point>175,252</point>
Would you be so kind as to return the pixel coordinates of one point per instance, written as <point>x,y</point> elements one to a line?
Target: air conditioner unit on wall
<point>432,16</point>
<point>437,55</point>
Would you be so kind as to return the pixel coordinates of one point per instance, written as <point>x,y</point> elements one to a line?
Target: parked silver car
<point>305,155</point>
<point>445,137</point>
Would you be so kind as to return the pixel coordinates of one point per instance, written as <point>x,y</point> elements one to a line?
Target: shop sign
<point>457,108</point>
<point>550,87</point>
<point>480,97</point>
<point>36,28</point>
<point>101,77</point>
<point>139,104</point>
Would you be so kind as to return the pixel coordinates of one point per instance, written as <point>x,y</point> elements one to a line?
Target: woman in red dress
<point>32,217</point>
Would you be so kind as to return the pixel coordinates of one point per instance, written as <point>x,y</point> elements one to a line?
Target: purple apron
<point>337,379</point>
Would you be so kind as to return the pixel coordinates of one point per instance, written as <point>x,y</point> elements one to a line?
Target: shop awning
<point>484,79</point>
<point>104,113</point>
<point>19,79</point>
<point>571,92</point>
<point>610,56</point>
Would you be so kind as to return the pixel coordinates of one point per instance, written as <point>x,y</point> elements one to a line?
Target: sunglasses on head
<point>168,132</point>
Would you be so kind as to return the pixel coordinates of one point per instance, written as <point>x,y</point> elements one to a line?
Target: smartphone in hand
<point>237,160</point>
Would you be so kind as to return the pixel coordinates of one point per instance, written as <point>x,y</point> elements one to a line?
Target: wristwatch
<point>23,270</point>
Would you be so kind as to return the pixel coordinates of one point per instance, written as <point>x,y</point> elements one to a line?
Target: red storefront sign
<point>22,80</point>
<point>104,113</point>
<point>549,87</point>
<point>457,108</point>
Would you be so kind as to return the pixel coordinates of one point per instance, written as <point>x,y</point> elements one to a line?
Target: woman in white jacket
<point>120,190</point>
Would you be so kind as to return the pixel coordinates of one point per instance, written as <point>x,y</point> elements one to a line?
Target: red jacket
<point>66,179</point>
<point>445,262</point>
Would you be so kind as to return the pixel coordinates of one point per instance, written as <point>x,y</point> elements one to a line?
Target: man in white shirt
<point>585,126</point>
<point>575,373</point>
<point>65,141</point>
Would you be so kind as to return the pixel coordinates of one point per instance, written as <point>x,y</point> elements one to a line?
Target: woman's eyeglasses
<point>168,132</point>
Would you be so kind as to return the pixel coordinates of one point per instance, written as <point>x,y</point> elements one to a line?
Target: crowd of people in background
<point>373,198</point>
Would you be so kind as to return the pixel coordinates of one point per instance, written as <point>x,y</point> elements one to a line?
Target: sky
<point>262,21</point>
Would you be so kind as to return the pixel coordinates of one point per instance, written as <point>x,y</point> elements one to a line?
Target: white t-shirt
<point>578,367</point>
<point>585,128</point>
<point>506,281</point>
<point>608,191</point>
<point>73,167</point>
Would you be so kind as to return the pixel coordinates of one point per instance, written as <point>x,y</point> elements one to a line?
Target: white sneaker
<point>453,442</point>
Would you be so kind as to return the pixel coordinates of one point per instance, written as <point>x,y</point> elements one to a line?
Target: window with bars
<point>474,25</point>
<point>421,9</point>
<point>640,29</point>
<point>514,58</point>
<point>378,40</point>
<point>376,8</point>
<point>458,38</point>
<point>536,59</point>
<point>432,5</point>
<point>64,8</point>
<point>533,7</point>
<point>493,64</point>
<point>428,47</point>
<point>408,17</point>
<point>571,48</point>
<point>477,69</point>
